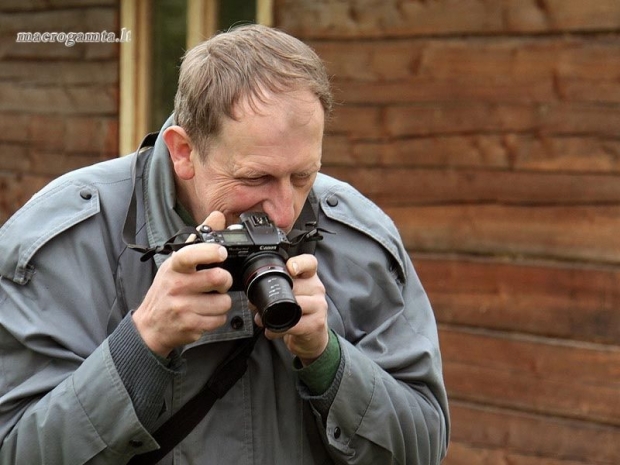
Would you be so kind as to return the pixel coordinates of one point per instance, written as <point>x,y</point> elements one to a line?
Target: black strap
<point>179,425</point>
<point>306,233</point>
<point>129,227</point>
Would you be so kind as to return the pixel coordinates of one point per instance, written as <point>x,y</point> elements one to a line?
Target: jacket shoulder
<point>345,207</point>
<point>62,204</point>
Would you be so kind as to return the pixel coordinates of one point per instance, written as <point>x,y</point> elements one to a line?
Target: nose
<point>280,205</point>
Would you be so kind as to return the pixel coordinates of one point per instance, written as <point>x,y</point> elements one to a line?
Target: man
<point>99,348</point>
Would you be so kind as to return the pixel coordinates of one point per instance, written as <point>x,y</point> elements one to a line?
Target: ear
<point>180,148</point>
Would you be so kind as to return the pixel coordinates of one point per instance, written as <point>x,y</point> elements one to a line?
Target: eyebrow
<point>254,173</point>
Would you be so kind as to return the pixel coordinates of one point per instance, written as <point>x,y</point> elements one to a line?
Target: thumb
<point>216,221</point>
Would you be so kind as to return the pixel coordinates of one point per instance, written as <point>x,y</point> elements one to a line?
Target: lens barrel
<point>269,287</point>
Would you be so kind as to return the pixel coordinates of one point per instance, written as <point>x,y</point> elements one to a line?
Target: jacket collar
<point>159,191</point>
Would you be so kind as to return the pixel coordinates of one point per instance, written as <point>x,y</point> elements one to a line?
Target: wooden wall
<point>490,132</point>
<point>58,103</point>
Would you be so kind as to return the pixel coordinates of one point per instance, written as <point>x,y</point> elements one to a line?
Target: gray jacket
<point>68,283</point>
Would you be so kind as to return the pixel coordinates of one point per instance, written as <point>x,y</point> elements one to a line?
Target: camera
<point>257,253</point>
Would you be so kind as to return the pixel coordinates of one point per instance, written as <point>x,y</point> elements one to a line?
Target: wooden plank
<point>15,127</point>
<point>582,233</point>
<point>551,118</point>
<point>59,73</point>
<point>519,436</point>
<point>84,100</point>
<point>95,18</point>
<point>393,18</point>
<point>520,58</point>
<point>538,375</point>
<point>533,152</point>
<point>449,119</point>
<point>33,6</point>
<point>497,70</point>
<point>458,88</point>
<point>405,186</point>
<point>559,300</point>
<point>16,191</point>
<point>504,89</point>
<point>465,454</point>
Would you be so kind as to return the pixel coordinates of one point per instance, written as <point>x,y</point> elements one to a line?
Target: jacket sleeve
<point>61,397</point>
<point>390,405</point>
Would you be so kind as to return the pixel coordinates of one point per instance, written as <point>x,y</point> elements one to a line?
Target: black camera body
<point>257,253</point>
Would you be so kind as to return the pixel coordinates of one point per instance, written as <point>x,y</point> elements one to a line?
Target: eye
<point>302,179</point>
<point>254,181</point>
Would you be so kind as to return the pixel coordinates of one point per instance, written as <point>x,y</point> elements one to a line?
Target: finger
<point>302,266</point>
<point>314,306</point>
<point>258,320</point>
<point>216,221</point>
<point>188,258</point>
<point>215,280</point>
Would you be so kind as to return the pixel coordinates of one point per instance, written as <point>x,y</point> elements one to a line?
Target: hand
<point>309,337</point>
<point>183,303</point>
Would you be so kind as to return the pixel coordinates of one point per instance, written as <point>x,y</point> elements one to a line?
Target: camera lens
<point>269,287</point>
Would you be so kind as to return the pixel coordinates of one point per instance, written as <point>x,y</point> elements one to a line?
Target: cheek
<point>214,196</point>
<point>239,199</point>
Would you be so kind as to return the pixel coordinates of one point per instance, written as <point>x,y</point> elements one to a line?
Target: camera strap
<point>179,425</point>
<point>129,227</point>
<point>306,233</point>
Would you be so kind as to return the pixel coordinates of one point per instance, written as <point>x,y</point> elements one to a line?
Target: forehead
<point>290,118</point>
<point>279,134</point>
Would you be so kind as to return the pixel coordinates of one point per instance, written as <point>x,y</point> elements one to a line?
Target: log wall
<point>58,102</point>
<point>489,131</point>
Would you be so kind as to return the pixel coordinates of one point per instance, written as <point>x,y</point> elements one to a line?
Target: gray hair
<point>243,63</point>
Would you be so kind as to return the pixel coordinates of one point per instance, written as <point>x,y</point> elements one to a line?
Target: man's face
<point>266,160</point>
